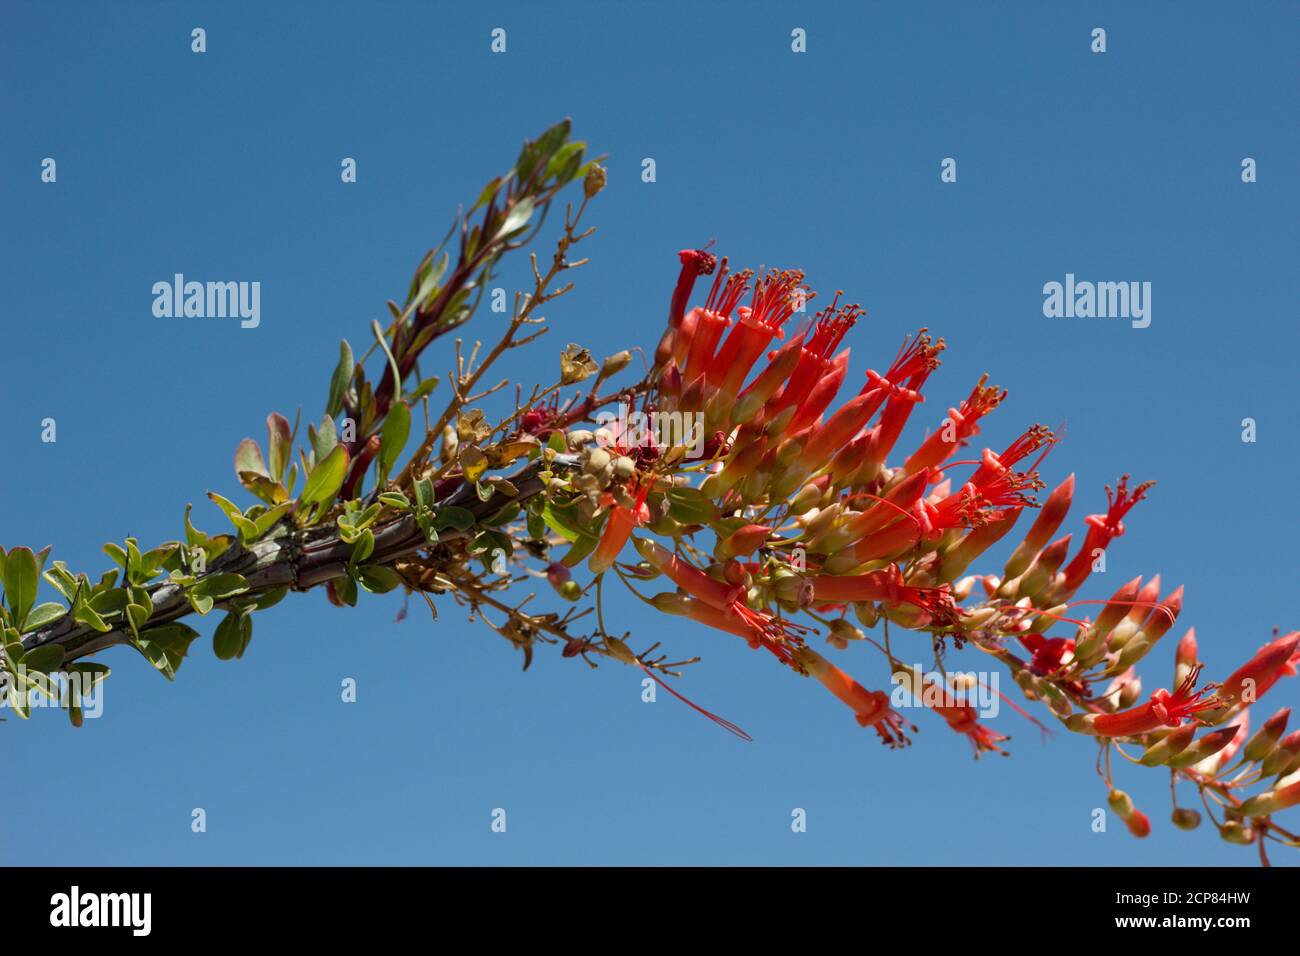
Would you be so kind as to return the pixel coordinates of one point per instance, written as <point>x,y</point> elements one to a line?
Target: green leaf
<point>279,444</point>
<point>62,580</point>
<point>97,672</point>
<point>504,516</point>
<point>271,598</point>
<point>232,636</point>
<point>324,438</point>
<point>537,153</point>
<point>45,659</point>
<point>220,586</point>
<point>110,601</point>
<point>424,388</point>
<point>691,506</point>
<point>563,521</point>
<point>565,163</point>
<point>397,427</point>
<point>272,492</point>
<point>377,578</point>
<point>395,499</point>
<point>267,520</point>
<point>247,530</point>
<point>83,613</point>
<point>346,589</point>
<point>43,614</point>
<point>326,478</point>
<point>340,381</point>
<point>426,527</point>
<point>248,457</point>
<point>116,553</point>
<point>536,526</point>
<point>450,516</point>
<point>21,579</point>
<point>173,637</point>
<point>423,494</point>
<point>156,656</point>
<point>578,551</point>
<point>364,547</point>
<point>520,213</point>
<point>486,196</point>
<point>430,280</point>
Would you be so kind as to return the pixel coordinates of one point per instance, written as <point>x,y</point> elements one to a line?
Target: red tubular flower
<point>1047,652</point>
<point>887,587</point>
<point>1102,529</point>
<point>992,465</point>
<point>695,262</point>
<point>838,431</point>
<point>900,537</point>
<point>965,720</point>
<point>823,393</point>
<point>972,505</point>
<point>773,303</point>
<point>1045,525</point>
<point>744,540</point>
<point>758,627</point>
<point>1251,680</point>
<point>1162,710</point>
<point>831,324</point>
<point>916,361</point>
<point>961,424</point>
<point>959,557</point>
<point>870,707</point>
<point>1272,801</point>
<point>618,528</point>
<point>896,504</point>
<point>781,363</point>
<point>713,319</point>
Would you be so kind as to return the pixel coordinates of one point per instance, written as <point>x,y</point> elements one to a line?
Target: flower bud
<point>1185,818</point>
<point>794,591</point>
<point>1044,568</point>
<point>1207,746</point>
<point>1128,694</point>
<point>557,574</point>
<point>1169,746</point>
<point>1234,832</point>
<point>843,631</point>
<point>1121,803</point>
<point>1270,802</point>
<point>744,540</point>
<point>807,498</point>
<point>1138,824</point>
<point>594,181</point>
<point>1284,757</point>
<point>615,363</point>
<point>450,444</point>
<point>1185,657</point>
<point>1266,738</point>
<point>867,613</point>
<point>1048,521</point>
<point>670,602</point>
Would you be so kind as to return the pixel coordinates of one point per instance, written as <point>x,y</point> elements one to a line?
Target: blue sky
<point>1119,166</point>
